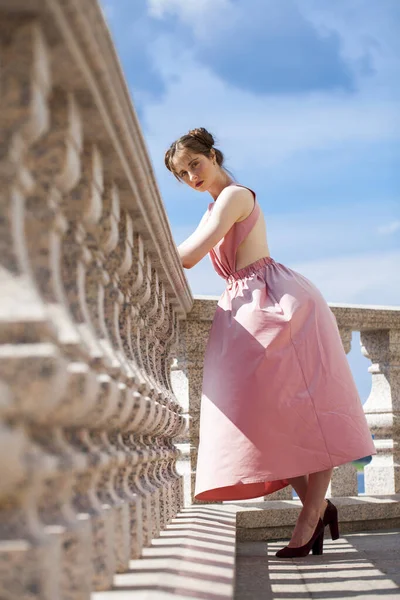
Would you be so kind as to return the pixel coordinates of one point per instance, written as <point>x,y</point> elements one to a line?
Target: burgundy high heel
<point>331,519</point>
<point>316,543</point>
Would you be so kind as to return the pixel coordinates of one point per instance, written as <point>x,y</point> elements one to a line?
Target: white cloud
<point>365,28</point>
<point>260,131</point>
<point>367,278</point>
<point>188,11</point>
<point>390,228</point>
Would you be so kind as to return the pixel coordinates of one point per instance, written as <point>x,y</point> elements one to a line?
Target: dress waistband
<point>250,269</point>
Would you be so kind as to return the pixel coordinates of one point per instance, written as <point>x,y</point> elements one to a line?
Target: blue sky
<point>303,99</point>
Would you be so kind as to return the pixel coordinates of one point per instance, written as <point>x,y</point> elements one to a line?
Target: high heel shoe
<point>331,518</point>
<point>316,543</point>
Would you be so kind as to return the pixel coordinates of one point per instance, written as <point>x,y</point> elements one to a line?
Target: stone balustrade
<point>379,329</point>
<point>95,312</point>
<point>92,299</point>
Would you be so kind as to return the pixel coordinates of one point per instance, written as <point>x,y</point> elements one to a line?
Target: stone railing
<point>379,329</point>
<point>92,297</point>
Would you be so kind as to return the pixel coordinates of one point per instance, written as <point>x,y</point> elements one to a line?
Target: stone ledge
<point>194,557</point>
<point>271,520</point>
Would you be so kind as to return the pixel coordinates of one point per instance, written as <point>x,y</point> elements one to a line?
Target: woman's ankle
<point>323,508</point>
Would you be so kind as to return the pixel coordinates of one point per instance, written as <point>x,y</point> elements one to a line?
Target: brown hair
<point>197,140</point>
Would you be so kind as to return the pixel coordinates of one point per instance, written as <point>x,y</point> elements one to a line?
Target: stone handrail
<point>379,329</point>
<point>92,300</point>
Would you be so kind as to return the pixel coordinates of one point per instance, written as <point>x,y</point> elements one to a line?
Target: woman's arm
<point>233,203</point>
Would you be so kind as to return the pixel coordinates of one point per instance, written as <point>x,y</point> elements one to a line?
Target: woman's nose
<point>193,177</point>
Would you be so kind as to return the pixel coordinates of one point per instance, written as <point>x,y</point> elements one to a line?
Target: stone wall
<point>92,299</point>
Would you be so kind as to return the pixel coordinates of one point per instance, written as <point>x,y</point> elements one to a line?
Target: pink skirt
<point>278,399</point>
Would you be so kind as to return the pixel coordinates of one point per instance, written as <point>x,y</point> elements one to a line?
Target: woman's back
<point>255,245</point>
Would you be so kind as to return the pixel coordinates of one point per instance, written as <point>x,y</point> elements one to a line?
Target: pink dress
<point>278,398</point>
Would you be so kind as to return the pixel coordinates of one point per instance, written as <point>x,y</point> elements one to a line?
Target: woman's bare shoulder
<point>236,194</point>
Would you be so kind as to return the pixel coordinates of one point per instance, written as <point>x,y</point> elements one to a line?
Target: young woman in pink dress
<point>279,403</point>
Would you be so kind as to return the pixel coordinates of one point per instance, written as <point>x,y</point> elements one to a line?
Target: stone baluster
<point>160,427</point>
<point>130,495</point>
<point>193,345</point>
<point>180,385</point>
<point>131,260</point>
<point>344,478</point>
<point>30,363</point>
<point>124,275</point>
<point>55,165</point>
<point>148,457</point>
<point>166,333</point>
<point>162,476</point>
<point>177,424</point>
<point>382,409</point>
<point>57,513</point>
<point>109,495</point>
<point>104,308</point>
<point>83,282</point>
<point>114,259</point>
<point>158,329</point>
<point>87,502</point>
<point>147,314</point>
<point>138,484</point>
<point>139,298</point>
<point>115,253</point>
<point>25,545</point>
<point>82,207</point>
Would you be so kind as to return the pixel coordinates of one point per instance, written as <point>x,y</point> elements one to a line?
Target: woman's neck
<point>220,182</point>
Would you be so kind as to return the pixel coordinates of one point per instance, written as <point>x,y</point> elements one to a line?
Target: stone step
<point>274,520</point>
<point>194,557</point>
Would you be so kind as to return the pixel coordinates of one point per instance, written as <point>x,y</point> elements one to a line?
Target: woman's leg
<point>300,485</point>
<point>313,506</point>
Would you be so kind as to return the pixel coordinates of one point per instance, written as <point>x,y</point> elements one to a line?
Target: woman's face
<point>196,170</point>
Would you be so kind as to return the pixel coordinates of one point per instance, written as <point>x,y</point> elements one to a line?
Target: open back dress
<point>278,396</point>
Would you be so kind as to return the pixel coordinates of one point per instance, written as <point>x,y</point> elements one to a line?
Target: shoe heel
<point>334,529</point>
<point>318,546</point>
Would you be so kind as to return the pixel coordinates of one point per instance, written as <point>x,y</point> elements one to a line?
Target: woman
<point>279,404</point>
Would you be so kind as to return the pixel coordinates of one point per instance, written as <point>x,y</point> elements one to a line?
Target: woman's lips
<point>199,184</point>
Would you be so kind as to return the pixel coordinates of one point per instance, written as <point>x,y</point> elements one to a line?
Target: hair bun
<point>203,136</point>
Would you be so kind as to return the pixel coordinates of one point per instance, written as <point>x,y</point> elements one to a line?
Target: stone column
<point>344,478</point>
<point>382,409</point>
<point>193,344</point>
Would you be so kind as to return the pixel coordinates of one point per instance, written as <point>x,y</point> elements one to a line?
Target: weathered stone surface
<point>193,558</point>
<point>274,520</point>
<point>93,295</point>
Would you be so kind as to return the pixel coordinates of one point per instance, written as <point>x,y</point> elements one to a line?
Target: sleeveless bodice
<point>274,358</point>
<point>223,254</point>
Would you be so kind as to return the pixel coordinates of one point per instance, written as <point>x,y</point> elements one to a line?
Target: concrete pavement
<point>358,565</point>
